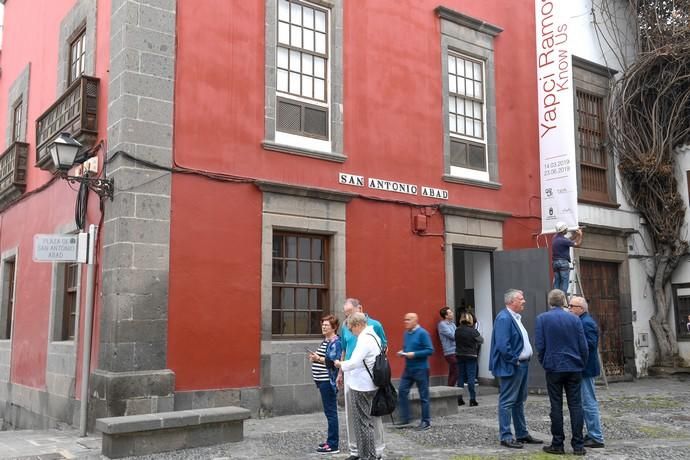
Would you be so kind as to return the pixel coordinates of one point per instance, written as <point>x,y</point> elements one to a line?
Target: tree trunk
<point>667,347</point>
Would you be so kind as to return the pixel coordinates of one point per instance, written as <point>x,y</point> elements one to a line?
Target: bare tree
<point>649,119</point>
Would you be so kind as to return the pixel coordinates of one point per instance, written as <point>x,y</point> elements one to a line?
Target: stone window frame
<point>82,16</point>
<point>473,38</point>
<point>19,91</point>
<point>594,79</point>
<point>332,149</point>
<point>57,294</point>
<point>681,320</point>
<point>302,210</point>
<point>7,256</point>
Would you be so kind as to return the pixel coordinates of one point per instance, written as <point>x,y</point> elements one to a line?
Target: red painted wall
<point>393,271</point>
<point>393,130</point>
<point>214,318</point>
<point>32,37</point>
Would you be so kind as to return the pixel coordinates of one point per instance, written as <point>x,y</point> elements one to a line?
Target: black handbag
<point>385,401</point>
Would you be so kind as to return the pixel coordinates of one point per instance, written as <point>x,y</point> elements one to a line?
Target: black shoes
<point>461,402</point>
<point>423,426</point>
<point>352,457</point>
<point>591,443</point>
<point>556,450</point>
<point>580,451</point>
<point>512,444</point>
<point>529,440</point>
<point>473,402</point>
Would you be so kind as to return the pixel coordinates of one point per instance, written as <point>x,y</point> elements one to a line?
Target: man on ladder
<point>560,249</point>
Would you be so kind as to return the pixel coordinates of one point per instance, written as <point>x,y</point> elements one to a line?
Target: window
<point>8,280</point>
<point>77,60</point>
<point>591,135</point>
<point>17,121</point>
<point>469,100</point>
<point>596,172</point>
<point>300,284</point>
<point>304,88</point>
<point>69,300</point>
<point>681,294</point>
<point>466,113</point>
<point>302,68</point>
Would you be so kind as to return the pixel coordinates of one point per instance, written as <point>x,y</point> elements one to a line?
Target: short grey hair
<point>356,319</point>
<point>557,298</point>
<point>585,305</point>
<point>510,295</point>
<point>354,302</point>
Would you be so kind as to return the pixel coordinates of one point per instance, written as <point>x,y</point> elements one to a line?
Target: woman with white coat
<point>362,388</point>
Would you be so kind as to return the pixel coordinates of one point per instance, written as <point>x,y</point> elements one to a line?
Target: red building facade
<point>272,158</point>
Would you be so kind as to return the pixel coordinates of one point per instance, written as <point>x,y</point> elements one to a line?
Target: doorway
<point>472,283</point>
<point>600,287</point>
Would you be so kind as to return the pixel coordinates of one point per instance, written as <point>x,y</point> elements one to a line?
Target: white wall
<point>594,44</point>
<point>478,277</point>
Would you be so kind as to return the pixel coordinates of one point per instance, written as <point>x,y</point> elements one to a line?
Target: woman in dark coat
<point>467,341</point>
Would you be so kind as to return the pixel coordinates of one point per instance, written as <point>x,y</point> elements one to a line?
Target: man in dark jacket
<point>562,351</point>
<point>509,361</point>
<point>594,437</point>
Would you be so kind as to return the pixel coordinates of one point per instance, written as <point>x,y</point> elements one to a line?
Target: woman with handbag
<point>362,387</point>
<point>324,374</point>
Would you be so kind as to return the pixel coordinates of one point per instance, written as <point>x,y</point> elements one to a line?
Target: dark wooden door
<point>599,281</point>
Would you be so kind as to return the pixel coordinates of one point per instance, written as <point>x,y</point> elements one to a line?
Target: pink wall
<point>31,34</point>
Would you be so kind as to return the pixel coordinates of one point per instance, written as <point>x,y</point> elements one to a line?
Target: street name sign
<point>60,248</point>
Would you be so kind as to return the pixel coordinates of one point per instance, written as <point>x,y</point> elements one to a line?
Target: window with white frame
<point>304,78</point>
<point>302,69</point>
<point>469,100</point>
<point>466,117</point>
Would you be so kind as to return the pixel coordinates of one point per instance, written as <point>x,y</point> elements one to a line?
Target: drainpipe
<point>88,329</point>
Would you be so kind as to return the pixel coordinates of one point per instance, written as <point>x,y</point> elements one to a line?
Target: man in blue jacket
<point>590,406</point>
<point>562,351</point>
<point>416,350</point>
<point>509,361</point>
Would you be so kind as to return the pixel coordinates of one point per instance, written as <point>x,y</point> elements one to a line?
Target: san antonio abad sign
<point>391,186</point>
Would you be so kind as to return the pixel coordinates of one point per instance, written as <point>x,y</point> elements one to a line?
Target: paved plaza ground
<point>645,419</point>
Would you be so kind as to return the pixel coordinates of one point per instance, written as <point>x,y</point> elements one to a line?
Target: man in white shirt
<point>509,361</point>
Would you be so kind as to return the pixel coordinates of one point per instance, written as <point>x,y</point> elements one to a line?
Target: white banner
<point>556,116</point>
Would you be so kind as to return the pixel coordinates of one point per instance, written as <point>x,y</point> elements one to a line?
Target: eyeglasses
<point>572,305</point>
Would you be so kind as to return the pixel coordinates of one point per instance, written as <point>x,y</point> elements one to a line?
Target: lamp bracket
<point>104,188</point>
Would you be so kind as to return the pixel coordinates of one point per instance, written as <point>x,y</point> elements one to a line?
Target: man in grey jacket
<point>446,332</point>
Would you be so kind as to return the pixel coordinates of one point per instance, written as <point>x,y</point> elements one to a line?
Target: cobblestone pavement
<point>646,419</point>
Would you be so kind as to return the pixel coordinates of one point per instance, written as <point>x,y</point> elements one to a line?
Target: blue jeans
<point>330,409</point>
<point>421,378</point>
<point>467,370</point>
<point>511,403</point>
<point>561,274</point>
<point>590,406</point>
<point>556,383</point>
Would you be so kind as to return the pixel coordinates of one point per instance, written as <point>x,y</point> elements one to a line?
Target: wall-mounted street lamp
<point>66,152</point>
